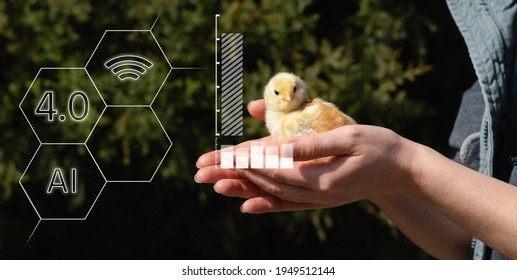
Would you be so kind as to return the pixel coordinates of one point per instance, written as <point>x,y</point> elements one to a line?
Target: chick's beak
<point>289,96</point>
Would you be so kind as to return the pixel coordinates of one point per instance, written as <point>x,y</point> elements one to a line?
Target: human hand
<point>209,161</point>
<point>364,162</point>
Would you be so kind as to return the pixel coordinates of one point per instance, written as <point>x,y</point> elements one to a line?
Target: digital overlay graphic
<point>119,83</point>
<point>68,171</point>
<point>229,109</point>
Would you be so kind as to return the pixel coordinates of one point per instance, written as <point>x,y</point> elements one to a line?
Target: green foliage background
<point>399,64</point>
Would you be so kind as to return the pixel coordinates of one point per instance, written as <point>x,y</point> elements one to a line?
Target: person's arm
<point>483,206</point>
<point>424,193</point>
<point>426,227</point>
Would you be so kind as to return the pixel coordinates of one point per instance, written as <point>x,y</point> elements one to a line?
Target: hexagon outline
<point>157,43</point>
<point>94,160</point>
<point>168,138</point>
<point>61,219</point>
<point>91,131</point>
<point>30,87</point>
<point>159,164</point>
<point>21,177</point>
<point>170,69</point>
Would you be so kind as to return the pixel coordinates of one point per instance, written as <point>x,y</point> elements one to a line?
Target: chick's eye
<point>294,89</point>
<point>276,92</point>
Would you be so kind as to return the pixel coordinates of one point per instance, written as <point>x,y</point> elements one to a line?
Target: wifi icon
<point>128,66</point>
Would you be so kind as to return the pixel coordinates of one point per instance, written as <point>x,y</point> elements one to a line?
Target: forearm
<point>438,203</point>
<point>483,206</point>
<point>426,227</point>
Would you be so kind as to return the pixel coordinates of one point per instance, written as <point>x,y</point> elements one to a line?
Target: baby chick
<point>290,113</point>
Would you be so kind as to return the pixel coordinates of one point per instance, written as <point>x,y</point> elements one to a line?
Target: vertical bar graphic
<point>254,156</point>
<point>286,156</point>
<point>216,63</point>
<point>271,157</point>
<point>257,155</point>
<point>226,156</point>
<point>231,84</point>
<point>241,158</point>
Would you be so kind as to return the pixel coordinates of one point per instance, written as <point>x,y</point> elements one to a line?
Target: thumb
<point>257,109</point>
<point>340,141</point>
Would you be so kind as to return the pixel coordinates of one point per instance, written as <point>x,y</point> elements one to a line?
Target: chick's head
<point>285,92</point>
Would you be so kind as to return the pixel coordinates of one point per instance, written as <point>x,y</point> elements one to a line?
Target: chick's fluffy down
<point>312,117</point>
<point>290,113</point>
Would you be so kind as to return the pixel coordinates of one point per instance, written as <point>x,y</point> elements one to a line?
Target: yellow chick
<point>290,113</point>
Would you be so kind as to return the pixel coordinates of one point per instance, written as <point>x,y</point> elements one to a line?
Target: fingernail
<point>250,104</point>
<point>196,178</point>
<point>197,164</point>
<point>215,188</point>
<point>242,208</point>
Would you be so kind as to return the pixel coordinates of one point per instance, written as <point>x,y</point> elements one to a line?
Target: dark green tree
<point>363,55</point>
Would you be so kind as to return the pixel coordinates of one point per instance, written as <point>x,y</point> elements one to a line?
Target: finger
<point>214,157</point>
<point>238,188</point>
<point>257,109</point>
<point>340,141</point>
<point>265,204</point>
<point>207,159</point>
<point>212,174</point>
<point>291,176</point>
<point>281,190</point>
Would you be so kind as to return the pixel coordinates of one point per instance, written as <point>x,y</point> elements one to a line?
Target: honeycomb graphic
<point>120,81</point>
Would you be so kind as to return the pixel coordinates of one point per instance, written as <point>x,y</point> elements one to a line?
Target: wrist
<point>416,161</point>
<point>429,171</point>
<point>404,170</point>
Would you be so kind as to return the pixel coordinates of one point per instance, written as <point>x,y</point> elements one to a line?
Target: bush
<point>362,55</point>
